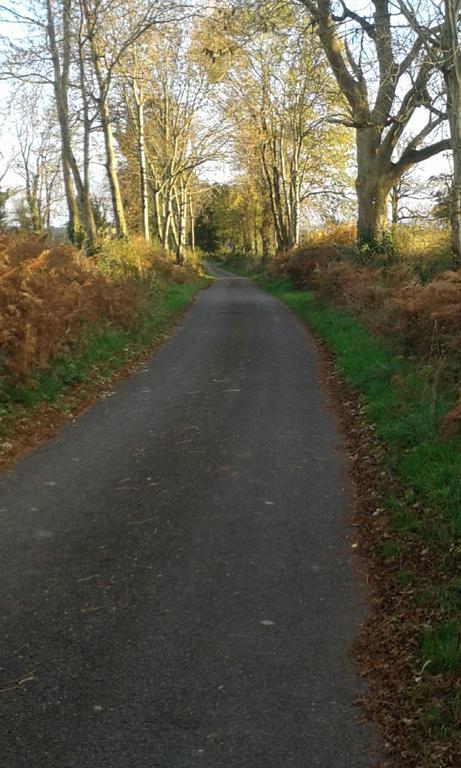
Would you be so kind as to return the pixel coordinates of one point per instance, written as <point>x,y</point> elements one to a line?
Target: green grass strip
<point>401,403</point>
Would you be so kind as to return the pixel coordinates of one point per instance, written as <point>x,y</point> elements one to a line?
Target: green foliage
<point>76,234</point>
<point>391,550</point>
<point>433,720</point>
<point>216,226</point>
<point>441,647</point>
<point>405,578</point>
<point>231,221</point>
<point>379,250</point>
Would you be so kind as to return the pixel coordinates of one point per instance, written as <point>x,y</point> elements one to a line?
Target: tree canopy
<point>153,105</point>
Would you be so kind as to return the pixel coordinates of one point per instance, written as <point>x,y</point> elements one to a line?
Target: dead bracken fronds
<point>415,302</point>
<point>51,295</point>
<point>393,299</point>
<point>321,249</point>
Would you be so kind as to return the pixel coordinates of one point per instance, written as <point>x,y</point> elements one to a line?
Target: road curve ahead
<point>175,588</point>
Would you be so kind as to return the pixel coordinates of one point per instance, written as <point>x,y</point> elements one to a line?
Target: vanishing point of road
<point>176,588</point>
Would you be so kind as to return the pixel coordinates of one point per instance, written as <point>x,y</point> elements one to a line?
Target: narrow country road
<point>176,588</point>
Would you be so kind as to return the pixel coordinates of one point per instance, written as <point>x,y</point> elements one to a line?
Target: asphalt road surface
<point>176,588</point>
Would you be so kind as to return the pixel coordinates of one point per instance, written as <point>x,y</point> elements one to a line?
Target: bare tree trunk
<point>295,207</point>
<point>166,232</point>
<point>271,175</point>
<point>395,200</point>
<point>192,223</point>
<point>72,206</point>
<point>33,204</point>
<point>284,189</point>
<point>284,193</point>
<point>61,68</point>
<point>372,186</point>
<point>167,217</point>
<point>255,235</point>
<point>104,113</point>
<point>181,203</point>
<point>140,131</point>
<point>451,67</point>
<point>265,244</point>
<point>156,193</point>
<point>111,168</point>
<point>158,214</point>
<point>88,213</point>
<point>143,174</point>
<point>455,208</point>
<point>372,219</point>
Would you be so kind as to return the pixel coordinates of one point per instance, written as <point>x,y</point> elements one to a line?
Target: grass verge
<point>31,409</point>
<point>409,529</point>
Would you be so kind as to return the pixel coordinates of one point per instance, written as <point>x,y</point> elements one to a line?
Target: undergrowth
<point>67,319</point>
<point>413,300</point>
<point>105,349</point>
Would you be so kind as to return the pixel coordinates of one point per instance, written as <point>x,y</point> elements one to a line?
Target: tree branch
<point>412,156</point>
<point>353,89</point>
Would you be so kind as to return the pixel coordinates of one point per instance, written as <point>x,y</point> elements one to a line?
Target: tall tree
<point>437,25</point>
<point>43,54</point>
<point>76,47</point>
<point>113,40</point>
<point>451,69</point>
<point>384,74</point>
<point>59,39</point>
<point>178,132</point>
<point>278,97</point>
<point>37,162</point>
<point>139,98</point>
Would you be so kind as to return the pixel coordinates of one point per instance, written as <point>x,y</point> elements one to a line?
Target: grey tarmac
<point>176,583</point>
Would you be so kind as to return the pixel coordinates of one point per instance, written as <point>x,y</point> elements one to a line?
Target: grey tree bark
<point>143,180</point>
<point>379,126</point>
<point>451,68</point>
<point>106,124</point>
<point>80,211</point>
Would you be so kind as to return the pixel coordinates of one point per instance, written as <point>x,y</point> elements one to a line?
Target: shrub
<point>48,293</point>
<point>430,313</point>
<point>423,249</point>
<point>380,251</point>
<point>136,259</point>
<point>393,299</point>
<point>414,302</point>
<point>320,249</point>
<point>51,294</point>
